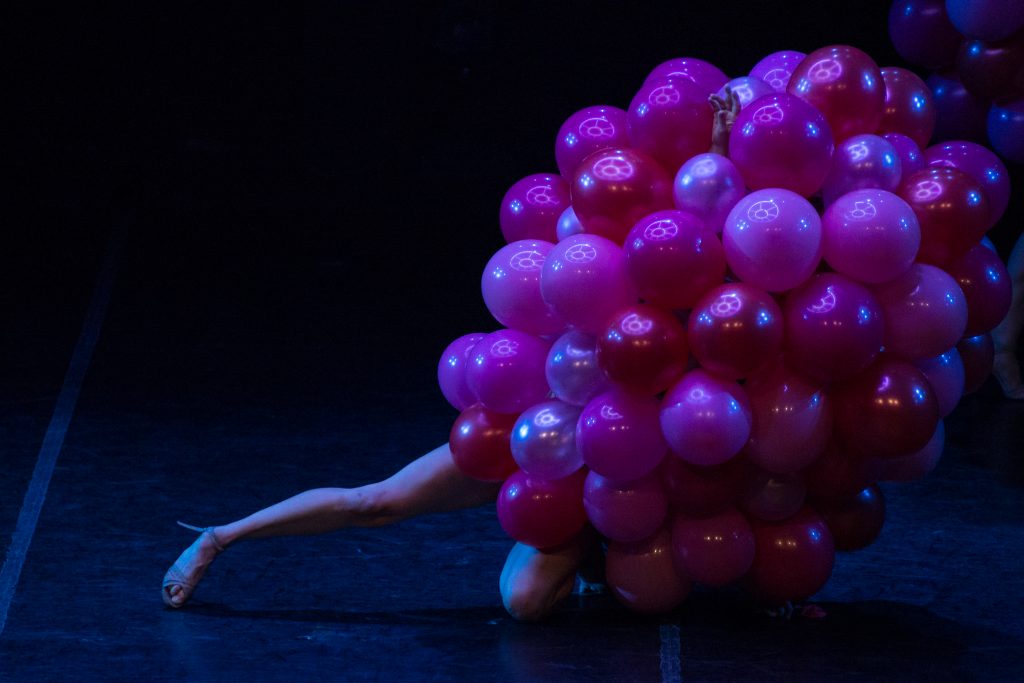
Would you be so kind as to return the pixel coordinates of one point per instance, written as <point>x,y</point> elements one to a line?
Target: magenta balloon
<point>625,511</point>
<point>772,497</point>
<point>845,85</point>
<point>585,280</point>
<point>734,329</point>
<point>746,89</point>
<point>705,75</point>
<point>451,370</point>
<point>909,108</point>
<point>506,372</point>
<point>673,259</point>
<point>925,312</point>
<point>1006,130</point>
<point>986,285</point>
<point>706,420</point>
<point>530,209</point>
<point>715,550</point>
<point>568,224</point>
<point>959,115</point>
<point>539,512</point>
<point>834,327</point>
<point>587,131</point>
<point>643,577</point>
<point>702,491</point>
<point>781,141</point>
<point>862,162</point>
<point>981,164</point>
<point>544,440</point>
<point>777,68</point>
<point>911,156</point>
<point>921,32</point>
<point>986,19</point>
<point>945,373</point>
<point>671,121</point>
<point>572,370</point>
<point>511,288</point>
<point>708,186</point>
<point>870,235</point>
<point>792,419</point>
<point>915,466</point>
<point>772,239</point>
<point>619,435</point>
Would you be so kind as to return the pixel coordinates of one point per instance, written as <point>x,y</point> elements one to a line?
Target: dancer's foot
<point>1006,368</point>
<point>184,575</point>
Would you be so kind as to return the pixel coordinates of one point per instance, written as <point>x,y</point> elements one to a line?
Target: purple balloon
<point>921,32</point>
<point>1006,130</point>
<point>772,497</point>
<point>945,373</point>
<point>959,115</point>
<point>585,280</point>
<point>511,288</point>
<point>625,511</point>
<point>706,420</point>
<point>989,20</point>
<point>708,77</point>
<point>619,435</point>
<point>772,239</point>
<point>870,235</point>
<point>781,141</point>
<point>451,370</point>
<point>572,369</point>
<point>981,164</point>
<point>777,68</point>
<point>925,312</point>
<point>911,156</point>
<point>747,89</point>
<point>587,131</point>
<point>862,162</point>
<point>568,224</point>
<point>708,186</point>
<point>544,440</point>
<point>506,372</point>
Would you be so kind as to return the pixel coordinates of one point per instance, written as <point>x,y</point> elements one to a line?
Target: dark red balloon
<point>992,71</point>
<point>909,108</point>
<point>845,85</point>
<point>670,119</point>
<point>959,115</point>
<point>855,522</point>
<point>793,558</point>
<point>951,208</point>
<point>772,497</point>
<point>734,329</point>
<point>480,442</point>
<point>888,410</point>
<point>644,348</point>
<point>978,354</point>
<point>715,550</point>
<point>643,576</point>
<point>702,491</point>
<point>542,513</point>
<point>838,474</point>
<point>986,285</point>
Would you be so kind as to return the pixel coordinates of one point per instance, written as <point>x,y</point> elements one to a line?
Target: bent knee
<point>528,605</point>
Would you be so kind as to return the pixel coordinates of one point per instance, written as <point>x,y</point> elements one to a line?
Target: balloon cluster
<point>714,358</point>
<point>976,49</point>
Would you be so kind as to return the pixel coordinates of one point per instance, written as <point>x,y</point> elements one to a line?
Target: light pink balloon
<point>706,420</point>
<point>625,511</point>
<point>916,465</point>
<point>925,312</point>
<point>619,435</point>
<point>777,68</point>
<point>708,186</point>
<point>945,373</point>
<point>511,288</point>
<point>506,371</point>
<point>451,370</point>
<point>862,162</point>
<point>572,369</point>
<point>643,576</point>
<point>870,235</point>
<point>772,239</point>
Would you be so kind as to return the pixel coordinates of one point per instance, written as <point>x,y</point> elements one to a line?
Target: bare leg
<point>1007,335</point>
<point>534,582</point>
<point>430,483</point>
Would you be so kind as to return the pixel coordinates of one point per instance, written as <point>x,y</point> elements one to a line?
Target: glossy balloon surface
<point>987,288</point>
<point>544,440</point>
<point>531,208</point>
<point>845,85</point>
<point>793,559</point>
<point>643,348</point>
<point>986,19</point>
<point>572,370</point>
<point>951,208</point>
<point>959,115</point>
<point>870,235</point>
<point>702,491</point>
<point>945,373</point>
<point>643,577</point>
<point>916,465</point>
<point>706,420</point>
<point>706,76</point>
<point>625,511</point>
<point>506,372</point>
<point>922,33</point>
<point>977,354</point>
<point>451,370</point>
<point>708,186</point>
<point>568,224</point>
<point>909,108</point>
<point>925,312</point>
<point>911,156</point>
<point>671,121</point>
<point>992,70</point>
<point>862,162</point>
<point>479,442</point>
<point>587,131</point>
<point>777,68</point>
<point>715,551</point>
<point>857,521</point>
<point>539,512</point>
<point>982,165</point>
<point>511,288</point>
<point>619,435</point>
<point>1006,130</point>
<point>734,329</point>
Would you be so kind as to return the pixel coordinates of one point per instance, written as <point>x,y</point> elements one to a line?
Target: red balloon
<point>986,285</point>
<point>542,513</point>
<point>845,85</point>
<point>644,348</point>
<point>643,577</point>
<point>793,558</point>
<point>855,522</point>
<point>992,71</point>
<point>951,208</point>
<point>715,550</point>
<point>978,353</point>
<point>734,329</point>
<point>480,442</point>
<point>888,410</point>
<point>838,474</point>
<point>909,108</point>
<point>670,119</point>
<point>916,465</point>
<point>772,497</point>
<point>614,188</point>
<point>702,491</point>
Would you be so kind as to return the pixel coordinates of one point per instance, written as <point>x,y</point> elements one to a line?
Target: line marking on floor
<point>53,441</point>
<point>670,654</point>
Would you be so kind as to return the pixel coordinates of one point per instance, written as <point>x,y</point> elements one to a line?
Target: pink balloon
<point>506,371</point>
<point>587,131</point>
<point>625,511</point>
<point>746,89</point>
<point>945,373</point>
<point>834,327</point>
<point>530,209</point>
<point>777,68</point>
<point>915,466</point>
<point>540,512</point>
<point>568,224</point>
<point>511,288</point>
<point>619,435</point>
<point>643,577</point>
<point>671,121</point>
<point>715,550</point>
<point>615,187</point>
<point>734,329</point>
<point>792,419</point>
<point>980,163</point>
<point>706,420</point>
<point>862,162</point>
<point>665,244</point>
<point>572,370</point>
<point>925,312</point>
<point>772,497</point>
<point>845,85</point>
<point>585,281</point>
<point>543,440</point>
<point>706,76</point>
<point>702,491</point>
<point>708,186</point>
<point>451,371</point>
<point>986,285</point>
<point>781,141</point>
<point>909,108</point>
<point>910,154</point>
<point>772,239</point>
<point>870,235</point>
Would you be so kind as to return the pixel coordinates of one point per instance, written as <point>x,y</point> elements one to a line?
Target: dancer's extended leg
<point>1006,336</point>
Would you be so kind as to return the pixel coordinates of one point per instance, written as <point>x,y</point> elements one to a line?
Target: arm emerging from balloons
<point>725,110</point>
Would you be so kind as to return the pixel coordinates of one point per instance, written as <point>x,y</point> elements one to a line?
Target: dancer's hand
<point>725,111</point>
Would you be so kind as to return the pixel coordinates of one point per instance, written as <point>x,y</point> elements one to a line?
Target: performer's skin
<point>532,582</point>
<point>1006,336</point>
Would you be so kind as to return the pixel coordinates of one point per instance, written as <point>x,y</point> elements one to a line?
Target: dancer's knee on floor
<point>528,603</point>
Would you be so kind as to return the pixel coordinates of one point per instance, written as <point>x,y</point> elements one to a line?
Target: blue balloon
<point>986,19</point>
<point>1006,130</point>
